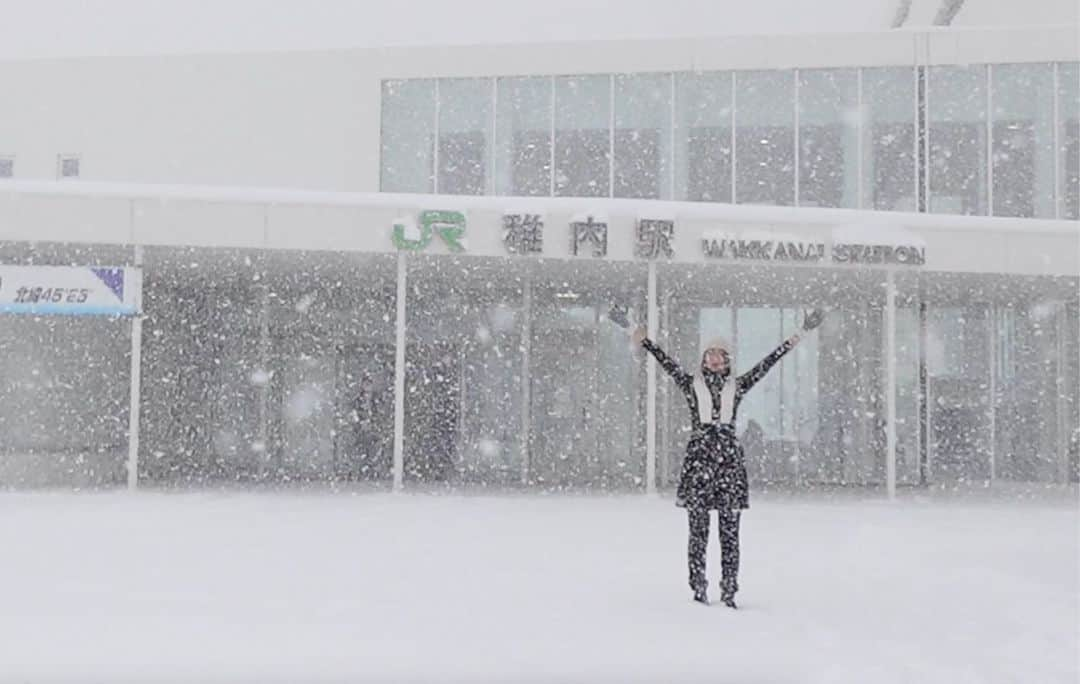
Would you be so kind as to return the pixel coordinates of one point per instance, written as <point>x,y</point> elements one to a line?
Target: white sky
<point>51,28</point>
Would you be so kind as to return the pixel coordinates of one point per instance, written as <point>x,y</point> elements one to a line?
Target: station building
<point>394,266</point>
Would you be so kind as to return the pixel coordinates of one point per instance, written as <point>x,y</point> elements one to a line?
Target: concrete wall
<point>304,120</point>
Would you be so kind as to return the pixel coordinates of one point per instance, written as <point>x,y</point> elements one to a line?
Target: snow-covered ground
<point>307,587</point>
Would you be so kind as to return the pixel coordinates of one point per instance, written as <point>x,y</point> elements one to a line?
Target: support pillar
<point>652,316</point>
<point>399,377</point>
<point>924,400</point>
<point>135,393</point>
<point>526,380</point>
<point>890,384</point>
<point>991,411</point>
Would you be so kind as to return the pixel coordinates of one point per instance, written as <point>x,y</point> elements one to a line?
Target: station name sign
<point>721,246</point>
<point>590,235</point>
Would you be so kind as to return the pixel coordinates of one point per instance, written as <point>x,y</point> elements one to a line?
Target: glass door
<point>364,438</point>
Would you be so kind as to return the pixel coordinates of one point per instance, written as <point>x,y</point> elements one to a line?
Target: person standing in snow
<point>714,470</point>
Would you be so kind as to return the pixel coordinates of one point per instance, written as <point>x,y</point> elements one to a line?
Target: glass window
<point>465,108</point>
<point>69,166</point>
<point>799,384</point>
<point>48,368</point>
<point>888,110</point>
<point>715,322</point>
<point>587,406</point>
<point>828,138</point>
<point>958,365</point>
<point>462,374</point>
<point>848,445</point>
<point>703,141</point>
<point>765,137</point>
<point>759,332</point>
<point>643,136</point>
<point>1069,139</point>
<point>583,136</point>
<point>956,111</point>
<point>1022,101</point>
<point>1029,425</point>
<point>523,136</point>
<point>907,393</point>
<point>408,136</point>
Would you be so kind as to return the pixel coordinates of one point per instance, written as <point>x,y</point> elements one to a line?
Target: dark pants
<point>729,548</point>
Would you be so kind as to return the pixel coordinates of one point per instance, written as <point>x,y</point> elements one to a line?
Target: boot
<point>727,593</point>
<point>701,596</point>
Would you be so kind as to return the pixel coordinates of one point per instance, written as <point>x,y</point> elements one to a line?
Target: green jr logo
<point>448,225</point>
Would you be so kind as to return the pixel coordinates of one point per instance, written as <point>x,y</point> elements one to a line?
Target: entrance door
<point>958,365</point>
<point>588,403</point>
<point>432,411</point>
<point>337,415</point>
<point>364,439</point>
<point>563,386</point>
<point>308,421</point>
<point>813,417</point>
<point>849,446</point>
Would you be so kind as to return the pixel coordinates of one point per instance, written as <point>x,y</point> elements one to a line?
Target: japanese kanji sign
<point>590,232</point>
<point>654,238</point>
<point>523,233</point>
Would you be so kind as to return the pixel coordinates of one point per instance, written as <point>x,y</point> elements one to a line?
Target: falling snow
<point>412,432</point>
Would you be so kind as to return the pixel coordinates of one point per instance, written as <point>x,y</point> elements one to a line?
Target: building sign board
<point>416,234</point>
<point>592,234</point>
<point>70,290</point>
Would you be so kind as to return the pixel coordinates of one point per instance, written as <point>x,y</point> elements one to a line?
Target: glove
<point>813,319</point>
<point>618,316</point>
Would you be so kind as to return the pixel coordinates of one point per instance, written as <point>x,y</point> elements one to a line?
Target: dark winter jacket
<point>714,470</point>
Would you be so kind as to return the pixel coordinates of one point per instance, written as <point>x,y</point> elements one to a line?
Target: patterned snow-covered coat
<point>714,470</point>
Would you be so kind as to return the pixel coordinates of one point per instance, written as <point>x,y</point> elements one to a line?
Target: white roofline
<point>608,206</point>
<point>396,49</point>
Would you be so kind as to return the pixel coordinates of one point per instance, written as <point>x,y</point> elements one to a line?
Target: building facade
<point>432,308</point>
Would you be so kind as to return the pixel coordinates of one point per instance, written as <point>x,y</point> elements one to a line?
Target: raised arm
<point>670,365</point>
<point>751,377</point>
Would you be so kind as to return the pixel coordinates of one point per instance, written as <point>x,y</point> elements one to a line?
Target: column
<point>399,378</point>
<point>526,379</point>
<point>650,388</point>
<point>890,384</point>
<point>135,393</point>
<point>991,415</point>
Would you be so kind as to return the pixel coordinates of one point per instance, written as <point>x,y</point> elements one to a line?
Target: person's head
<point>717,356</point>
